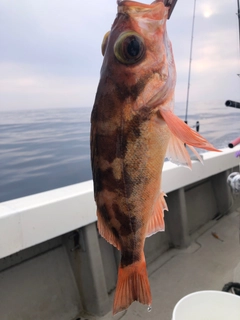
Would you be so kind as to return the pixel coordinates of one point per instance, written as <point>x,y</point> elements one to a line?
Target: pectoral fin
<point>181,135</point>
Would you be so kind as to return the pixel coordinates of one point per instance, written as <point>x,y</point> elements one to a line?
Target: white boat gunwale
<point>31,220</point>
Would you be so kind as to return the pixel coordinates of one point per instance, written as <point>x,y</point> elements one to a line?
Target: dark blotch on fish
<point>110,147</point>
<point>106,181</point>
<point>111,109</point>
<point>129,257</point>
<point>104,213</point>
<point>124,92</point>
<point>129,224</point>
<point>115,233</point>
<point>107,146</point>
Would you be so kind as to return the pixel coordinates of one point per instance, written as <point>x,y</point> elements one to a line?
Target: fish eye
<point>129,48</point>
<point>104,42</point>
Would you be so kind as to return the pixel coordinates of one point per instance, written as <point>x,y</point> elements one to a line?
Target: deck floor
<point>208,264</point>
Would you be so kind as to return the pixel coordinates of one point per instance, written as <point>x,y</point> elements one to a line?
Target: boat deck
<point>208,264</point>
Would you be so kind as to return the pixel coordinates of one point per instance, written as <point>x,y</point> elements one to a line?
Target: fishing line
<point>190,62</point>
<point>238,14</point>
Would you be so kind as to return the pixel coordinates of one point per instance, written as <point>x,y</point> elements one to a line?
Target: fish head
<point>138,62</point>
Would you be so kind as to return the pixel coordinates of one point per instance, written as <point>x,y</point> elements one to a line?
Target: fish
<point>133,129</point>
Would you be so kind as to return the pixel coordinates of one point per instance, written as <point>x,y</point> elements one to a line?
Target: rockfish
<point>133,128</point>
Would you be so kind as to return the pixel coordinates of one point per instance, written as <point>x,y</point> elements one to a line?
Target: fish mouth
<point>134,7</point>
<point>138,4</point>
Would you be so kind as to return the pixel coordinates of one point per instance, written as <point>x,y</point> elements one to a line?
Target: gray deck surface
<point>207,264</point>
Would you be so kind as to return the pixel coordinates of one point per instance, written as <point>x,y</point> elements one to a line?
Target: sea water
<point>44,149</point>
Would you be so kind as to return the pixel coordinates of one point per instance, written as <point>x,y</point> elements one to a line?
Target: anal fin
<point>156,223</point>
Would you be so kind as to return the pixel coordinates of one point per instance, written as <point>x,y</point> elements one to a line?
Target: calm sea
<point>42,150</point>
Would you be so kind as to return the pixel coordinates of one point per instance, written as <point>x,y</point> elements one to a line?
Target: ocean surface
<point>42,150</point>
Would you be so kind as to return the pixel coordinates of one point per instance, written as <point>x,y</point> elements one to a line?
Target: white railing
<point>28,221</point>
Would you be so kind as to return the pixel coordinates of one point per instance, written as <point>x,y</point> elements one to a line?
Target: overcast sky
<point>50,51</point>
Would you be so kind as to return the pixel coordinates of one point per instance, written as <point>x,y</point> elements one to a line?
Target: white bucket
<point>208,305</point>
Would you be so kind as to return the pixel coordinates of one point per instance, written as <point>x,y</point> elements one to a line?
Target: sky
<point>50,55</point>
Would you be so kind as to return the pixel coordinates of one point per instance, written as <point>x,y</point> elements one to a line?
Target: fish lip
<point>142,4</point>
<point>125,6</point>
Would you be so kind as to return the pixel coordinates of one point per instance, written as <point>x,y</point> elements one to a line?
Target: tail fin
<point>132,285</point>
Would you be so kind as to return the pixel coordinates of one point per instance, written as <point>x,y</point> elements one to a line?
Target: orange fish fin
<point>183,134</point>
<point>132,285</point>
<point>105,232</point>
<point>156,222</point>
<point>196,153</point>
<point>177,152</point>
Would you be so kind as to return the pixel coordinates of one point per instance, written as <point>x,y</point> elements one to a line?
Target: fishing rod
<point>233,104</point>
<point>171,4</point>
<point>190,62</point>
<point>238,14</point>
<point>197,125</point>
